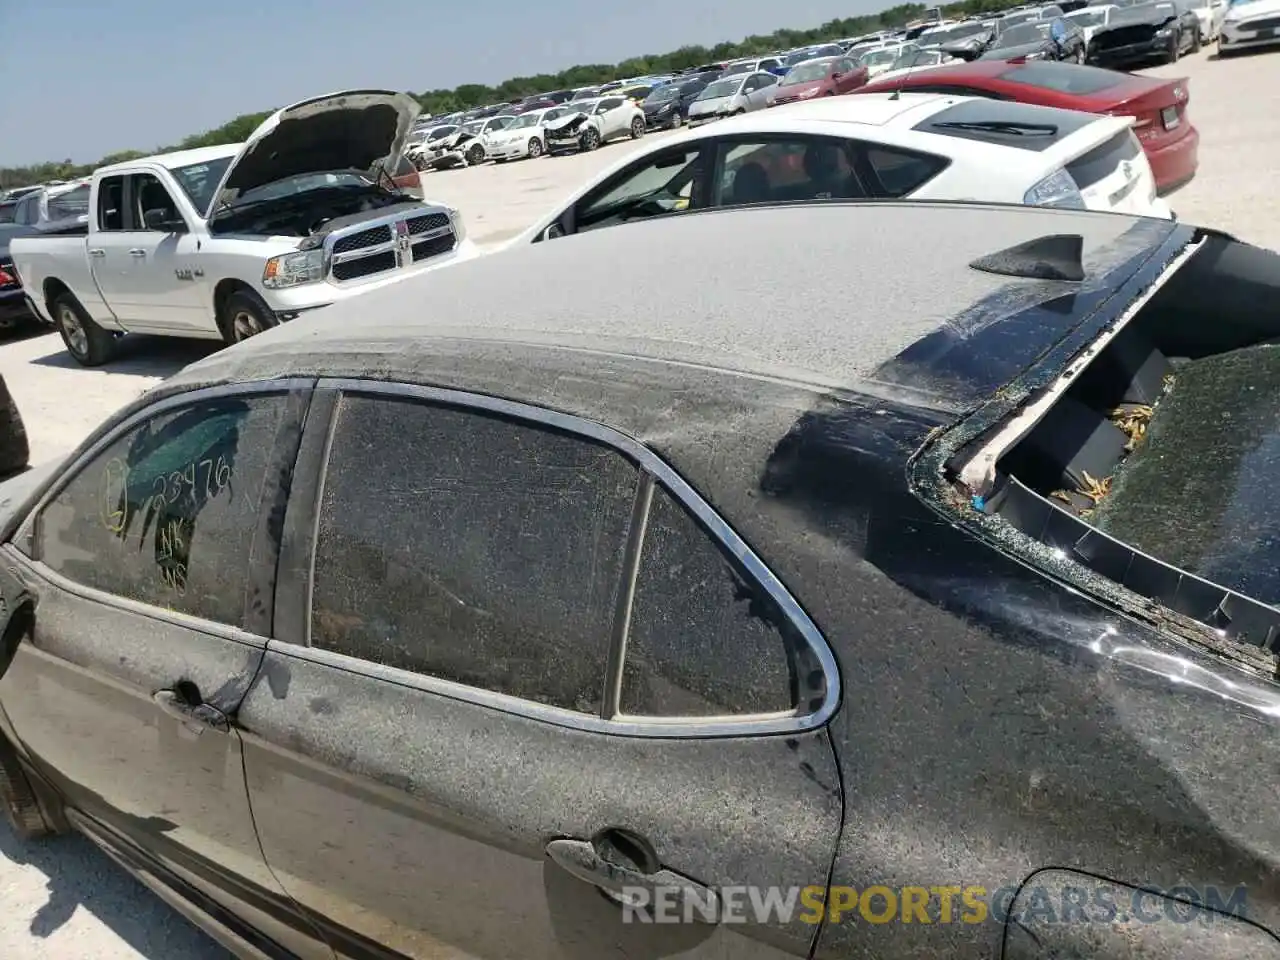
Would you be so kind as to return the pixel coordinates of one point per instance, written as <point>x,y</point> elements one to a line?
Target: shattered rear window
<point>1198,491</point>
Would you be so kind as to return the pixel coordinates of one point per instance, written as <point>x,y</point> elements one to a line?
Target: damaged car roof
<point>821,307</point>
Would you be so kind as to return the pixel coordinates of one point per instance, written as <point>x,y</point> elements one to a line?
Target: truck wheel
<point>88,343</point>
<point>245,315</point>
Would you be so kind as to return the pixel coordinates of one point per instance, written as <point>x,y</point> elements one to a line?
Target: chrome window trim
<point>651,468</point>
<point>73,468</point>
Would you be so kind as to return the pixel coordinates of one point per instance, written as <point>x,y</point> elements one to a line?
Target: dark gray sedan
<point>689,619</point>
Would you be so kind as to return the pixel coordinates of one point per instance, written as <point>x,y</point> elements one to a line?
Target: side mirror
<point>552,232</point>
<point>163,221</point>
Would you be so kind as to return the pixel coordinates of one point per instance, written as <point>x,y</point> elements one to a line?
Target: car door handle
<point>97,252</point>
<point>580,859</point>
<point>183,702</point>
<point>137,252</point>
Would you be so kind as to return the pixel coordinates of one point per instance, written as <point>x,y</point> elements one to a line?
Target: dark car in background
<point>53,209</point>
<point>668,105</point>
<point>407,632</point>
<point>1143,32</point>
<point>1054,39</point>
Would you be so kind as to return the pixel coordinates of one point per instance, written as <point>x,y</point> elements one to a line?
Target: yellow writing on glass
<point>197,481</point>
<point>114,503</point>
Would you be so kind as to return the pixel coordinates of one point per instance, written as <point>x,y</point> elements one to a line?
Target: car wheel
<point>677,121</point>
<point>1175,48</point>
<point>535,148</point>
<point>1197,41</point>
<point>475,155</point>
<point>244,315</point>
<point>88,343</point>
<point>637,128</point>
<point>1223,53</point>
<point>591,139</point>
<point>21,807</point>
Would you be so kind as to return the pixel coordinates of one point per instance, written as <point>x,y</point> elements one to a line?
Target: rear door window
<point>111,204</point>
<point>786,168</point>
<point>471,549</point>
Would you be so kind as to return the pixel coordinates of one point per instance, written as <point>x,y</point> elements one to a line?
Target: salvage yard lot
<point>62,899</point>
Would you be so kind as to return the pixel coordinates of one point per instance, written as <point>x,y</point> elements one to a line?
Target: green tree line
<point>470,95</point>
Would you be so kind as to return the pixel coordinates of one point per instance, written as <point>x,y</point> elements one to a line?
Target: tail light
<point>9,277</point>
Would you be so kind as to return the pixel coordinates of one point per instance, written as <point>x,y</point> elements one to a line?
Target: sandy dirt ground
<point>65,901</point>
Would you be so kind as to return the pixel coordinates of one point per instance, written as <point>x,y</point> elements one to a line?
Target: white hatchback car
<point>875,146</point>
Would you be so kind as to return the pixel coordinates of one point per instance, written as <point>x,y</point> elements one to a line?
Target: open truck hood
<point>350,130</point>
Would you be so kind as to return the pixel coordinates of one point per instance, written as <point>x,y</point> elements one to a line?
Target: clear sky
<point>83,78</point>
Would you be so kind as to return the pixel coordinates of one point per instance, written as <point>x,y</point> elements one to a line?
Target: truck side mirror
<point>163,221</point>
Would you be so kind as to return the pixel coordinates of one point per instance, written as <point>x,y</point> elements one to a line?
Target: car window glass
<point>612,103</point>
<point>166,514</point>
<point>900,172</point>
<point>471,549</point>
<point>111,203</point>
<point>28,210</point>
<point>663,183</point>
<point>8,210</point>
<point>703,639</point>
<point>73,203</point>
<point>787,168</point>
<point>151,198</point>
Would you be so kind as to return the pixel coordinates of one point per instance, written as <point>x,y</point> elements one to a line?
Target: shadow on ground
<point>77,876</point>
<point>142,355</point>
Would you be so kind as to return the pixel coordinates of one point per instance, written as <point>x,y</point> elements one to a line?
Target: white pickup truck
<point>223,242</point>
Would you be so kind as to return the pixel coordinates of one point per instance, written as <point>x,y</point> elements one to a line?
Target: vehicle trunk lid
<point>1158,106</point>
<point>350,130</point>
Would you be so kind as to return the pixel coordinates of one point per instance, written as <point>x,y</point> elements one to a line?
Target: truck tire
<point>244,314</point>
<point>88,343</point>
<point>15,452</point>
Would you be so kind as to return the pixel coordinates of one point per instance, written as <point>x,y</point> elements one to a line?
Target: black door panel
<point>421,821</point>
<point>152,585</point>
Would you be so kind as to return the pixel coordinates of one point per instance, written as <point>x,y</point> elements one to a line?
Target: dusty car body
<point>685,606</point>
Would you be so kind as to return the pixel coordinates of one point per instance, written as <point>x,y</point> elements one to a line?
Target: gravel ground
<point>62,899</point>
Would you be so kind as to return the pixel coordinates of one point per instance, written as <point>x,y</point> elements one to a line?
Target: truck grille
<point>365,238</point>
<point>400,241</point>
<point>432,221</point>
<point>364,266</point>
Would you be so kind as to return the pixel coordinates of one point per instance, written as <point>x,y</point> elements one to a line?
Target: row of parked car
<point>513,617</point>
<point>1114,34</point>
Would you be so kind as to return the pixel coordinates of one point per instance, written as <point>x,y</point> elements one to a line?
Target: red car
<point>821,77</point>
<point>1160,106</point>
